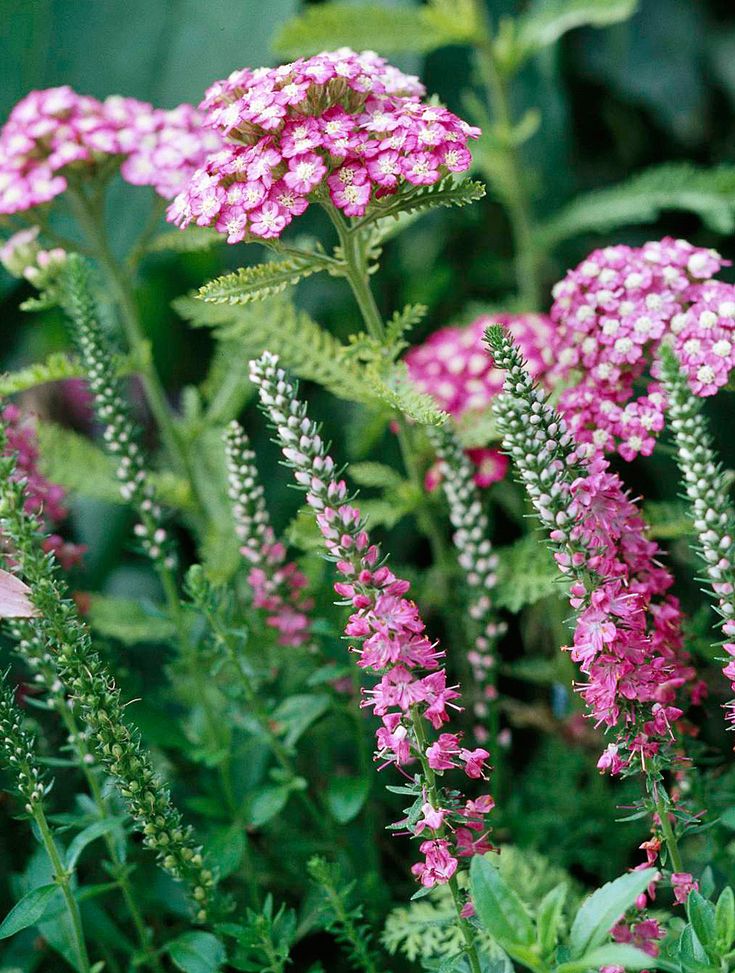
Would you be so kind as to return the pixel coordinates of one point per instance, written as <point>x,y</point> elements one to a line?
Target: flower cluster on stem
<point>342,125</point>
<point>411,694</point>
<point>56,133</point>
<point>277,585</point>
<point>115,745</point>
<point>612,313</point>
<point>711,510</point>
<point>627,637</point>
<point>479,566</point>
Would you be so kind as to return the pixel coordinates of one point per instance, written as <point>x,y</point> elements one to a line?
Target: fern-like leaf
<point>395,388</point>
<point>526,574</point>
<point>191,240</point>
<point>263,280</point>
<point>448,192</point>
<point>56,367</point>
<point>710,193</point>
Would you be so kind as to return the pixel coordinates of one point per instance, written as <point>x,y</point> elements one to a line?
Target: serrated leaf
<point>56,367</point>
<point>28,911</point>
<point>197,952</point>
<point>193,239</point>
<point>710,193</point>
<point>498,907</point>
<point>545,21</point>
<point>262,280</point>
<point>127,621</point>
<point>448,192</point>
<point>395,388</point>
<point>601,910</point>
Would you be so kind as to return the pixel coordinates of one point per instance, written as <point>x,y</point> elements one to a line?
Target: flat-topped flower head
<point>612,313</point>
<point>342,124</point>
<point>53,133</point>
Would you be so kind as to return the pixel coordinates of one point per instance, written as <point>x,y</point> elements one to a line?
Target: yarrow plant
<point>247,658</point>
<point>340,125</point>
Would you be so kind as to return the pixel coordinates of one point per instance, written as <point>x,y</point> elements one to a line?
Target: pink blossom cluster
<point>454,368</point>
<point>627,639</point>
<point>42,498</point>
<point>55,132</point>
<point>611,314</point>
<point>389,639</point>
<point>340,125</point>
<point>644,934</point>
<point>278,589</point>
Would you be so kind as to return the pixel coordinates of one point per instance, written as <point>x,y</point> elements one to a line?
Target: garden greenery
<point>295,749</point>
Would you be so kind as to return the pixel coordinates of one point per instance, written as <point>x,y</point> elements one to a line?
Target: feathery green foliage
<point>263,280</point>
<point>55,368</point>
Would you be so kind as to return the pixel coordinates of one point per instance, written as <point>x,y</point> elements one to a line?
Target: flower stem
<point>672,845</point>
<point>62,879</point>
<point>514,190</point>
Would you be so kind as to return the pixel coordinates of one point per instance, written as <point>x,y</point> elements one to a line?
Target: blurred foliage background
<point>612,103</point>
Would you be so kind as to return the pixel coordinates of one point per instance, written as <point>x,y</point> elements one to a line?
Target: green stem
<point>515,193</point>
<point>672,845</point>
<point>433,795</point>
<point>61,877</point>
<point>91,222</point>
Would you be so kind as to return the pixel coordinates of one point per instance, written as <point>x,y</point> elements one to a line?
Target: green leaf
<point>28,911</point>
<point>377,475</point>
<point>127,620</point>
<point>394,387</point>
<point>545,21</point>
<point>725,919</point>
<point>74,462</point>
<point>346,796</point>
<point>93,831</point>
<point>370,26</point>
<point>691,952</point>
<point>709,193</point>
<point>262,280</point>
<point>297,713</point>
<point>193,239</point>
<point>225,849</point>
<point>701,915</point>
<point>549,919</point>
<point>498,908</point>
<point>526,574</point>
<point>448,192</point>
<point>613,954</point>
<point>266,804</point>
<point>197,952</point>
<point>56,367</point>
<point>601,910</point>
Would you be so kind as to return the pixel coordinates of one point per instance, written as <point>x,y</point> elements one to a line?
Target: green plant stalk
<point>89,216</point>
<point>361,953</point>
<point>672,845</point>
<point>61,877</point>
<point>433,795</point>
<point>516,196</point>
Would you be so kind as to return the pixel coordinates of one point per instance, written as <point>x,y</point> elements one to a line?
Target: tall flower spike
<point>412,695</point>
<point>113,413</point>
<point>277,585</point>
<point>479,565</point>
<point>115,745</point>
<point>627,638</point>
<point>711,511</point>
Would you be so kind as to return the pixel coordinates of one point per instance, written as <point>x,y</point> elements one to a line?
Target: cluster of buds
<point>711,509</point>
<point>411,696</point>
<point>479,566</point>
<point>277,585</point>
<point>627,637</point>
<point>18,751</point>
<point>120,434</point>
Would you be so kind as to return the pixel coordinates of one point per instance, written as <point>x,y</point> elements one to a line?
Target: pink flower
<point>442,752</point>
<point>439,866</point>
<point>304,172</point>
<point>682,883</point>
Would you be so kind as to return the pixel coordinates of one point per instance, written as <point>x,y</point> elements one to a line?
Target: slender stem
<point>433,795</point>
<point>61,877</point>
<point>672,844</point>
<point>514,189</point>
<point>91,223</point>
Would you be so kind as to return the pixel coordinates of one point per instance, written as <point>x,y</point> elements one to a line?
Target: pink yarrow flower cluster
<point>453,367</point>
<point>627,639</point>
<point>341,125</point>
<point>277,585</point>
<point>611,314</point>
<point>44,499</point>
<point>53,133</point>
<point>389,640</point>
